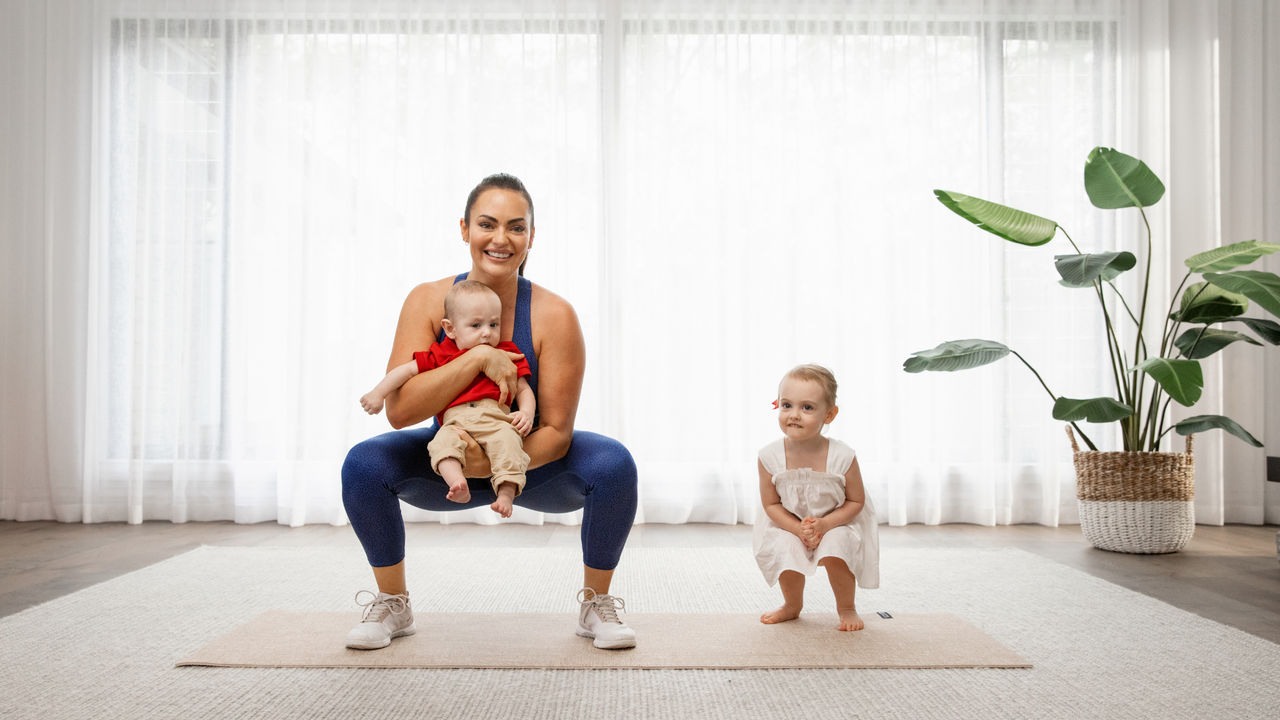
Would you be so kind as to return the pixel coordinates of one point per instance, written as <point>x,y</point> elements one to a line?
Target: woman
<point>568,469</point>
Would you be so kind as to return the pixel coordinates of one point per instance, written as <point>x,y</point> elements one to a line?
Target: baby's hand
<point>522,421</point>
<point>371,402</point>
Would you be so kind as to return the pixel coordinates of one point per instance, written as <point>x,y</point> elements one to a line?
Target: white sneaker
<point>385,617</point>
<point>598,619</point>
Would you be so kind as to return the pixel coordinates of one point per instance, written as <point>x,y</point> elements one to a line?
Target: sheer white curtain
<point>778,169</point>
<point>283,175</point>
<point>722,189</point>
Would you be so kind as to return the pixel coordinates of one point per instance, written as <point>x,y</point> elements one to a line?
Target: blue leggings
<point>597,475</point>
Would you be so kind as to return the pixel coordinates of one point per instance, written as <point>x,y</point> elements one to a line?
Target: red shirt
<point>444,352</point>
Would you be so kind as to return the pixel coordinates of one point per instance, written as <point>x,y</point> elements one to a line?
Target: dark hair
<point>500,181</point>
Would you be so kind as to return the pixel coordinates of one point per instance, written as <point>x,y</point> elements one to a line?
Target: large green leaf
<point>1181,379</point>
<point>1082,270</point>
<point>1231,256</point>
<point>1115,180</point>
<point>1010,224</point>
<point>1208,304</point>
<point>1211,342</point>
<point>1200,423</point>
<point>1267,329</point>
<point>1094,410</point>
<point>955,355</point>
<point>1260,287</point>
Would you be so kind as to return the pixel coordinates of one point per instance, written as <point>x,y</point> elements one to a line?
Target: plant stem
<point>1138,356</point>
<point>1151,419</point>
<point>1192,350</point>
<point>1158,427</point>
<point>1162,416</point>
<point>1127,309</point>
<point>1114,352</point>
<point>1122,388</point>
<point>1087,441</point>
<point>1173,334</point>
<point>1073,242</point>
<point>1167,337</point>
<point>1142,315</point>
<point>1168,318</point>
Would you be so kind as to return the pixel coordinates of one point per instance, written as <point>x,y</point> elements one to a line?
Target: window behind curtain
<point>278,184</point>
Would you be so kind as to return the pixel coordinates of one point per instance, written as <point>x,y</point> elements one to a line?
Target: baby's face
<point>477,321</point>
<point>802,409</point>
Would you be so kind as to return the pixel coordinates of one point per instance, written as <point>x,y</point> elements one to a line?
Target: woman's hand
<point>500,367</point>
<point>477,464</point>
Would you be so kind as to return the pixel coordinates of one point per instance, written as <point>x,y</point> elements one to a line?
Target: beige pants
<point>489,422</point>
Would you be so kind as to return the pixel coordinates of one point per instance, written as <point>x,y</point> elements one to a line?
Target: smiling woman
<point>568,469</point>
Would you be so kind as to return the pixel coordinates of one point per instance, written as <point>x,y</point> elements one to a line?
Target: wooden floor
<point>1227,574</point>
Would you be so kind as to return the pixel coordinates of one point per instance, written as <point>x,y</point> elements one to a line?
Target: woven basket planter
<point>1135,502</point>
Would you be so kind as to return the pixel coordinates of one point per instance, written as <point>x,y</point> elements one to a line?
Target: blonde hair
<point>465,288</point>
<point>818,374</point>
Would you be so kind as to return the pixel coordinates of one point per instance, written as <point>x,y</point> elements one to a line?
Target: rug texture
<point>280,638</point>
<point>1099,651</point>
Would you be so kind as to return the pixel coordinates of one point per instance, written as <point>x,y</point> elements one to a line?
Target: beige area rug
<point>1099,650</point>
<point>279,638</point>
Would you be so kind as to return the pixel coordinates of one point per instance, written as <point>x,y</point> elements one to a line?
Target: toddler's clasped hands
<point>810,533</point>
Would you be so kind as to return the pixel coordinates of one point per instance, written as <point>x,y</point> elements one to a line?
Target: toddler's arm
<point>372,401</point>
<point>773,504</point>
<point>854,500</point>
<point>522,419</point>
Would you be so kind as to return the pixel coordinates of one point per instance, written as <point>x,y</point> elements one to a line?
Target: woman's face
<point>500,234</point>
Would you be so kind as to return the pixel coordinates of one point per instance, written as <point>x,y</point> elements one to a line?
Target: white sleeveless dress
<point>807,492</point>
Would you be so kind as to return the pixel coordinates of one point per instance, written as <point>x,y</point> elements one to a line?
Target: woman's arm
<point>562,360</point>
<point>772,503</point>
<point>428,393</point>
<point>854,499</point>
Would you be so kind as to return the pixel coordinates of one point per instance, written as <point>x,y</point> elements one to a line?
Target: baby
<point>815,509</point>
<point>473,316</point>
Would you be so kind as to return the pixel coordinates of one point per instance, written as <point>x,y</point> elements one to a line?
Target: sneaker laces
<point>606,606</point>
<point>376,610</point>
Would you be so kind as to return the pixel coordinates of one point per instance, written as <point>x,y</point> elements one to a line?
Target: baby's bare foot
<point>459,493</point>
<point>850,620</point>
<point>779,615</point>
<point>502,506</point>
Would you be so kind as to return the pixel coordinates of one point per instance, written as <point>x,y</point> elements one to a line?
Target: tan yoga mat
<point>473,640</point>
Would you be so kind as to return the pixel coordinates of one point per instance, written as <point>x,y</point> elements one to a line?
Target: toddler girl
<point>815,509</point>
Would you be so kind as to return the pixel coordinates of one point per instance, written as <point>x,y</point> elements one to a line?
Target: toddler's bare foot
<point>779,615</point>
<point>502,506</point>
<point>459,493</point>
<point>850,620</point>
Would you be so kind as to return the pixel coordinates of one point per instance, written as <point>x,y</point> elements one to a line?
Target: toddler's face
<point>802,409</point>
<point>478,321</point>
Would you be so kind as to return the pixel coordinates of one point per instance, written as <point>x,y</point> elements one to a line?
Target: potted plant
<point>1137,500</point>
